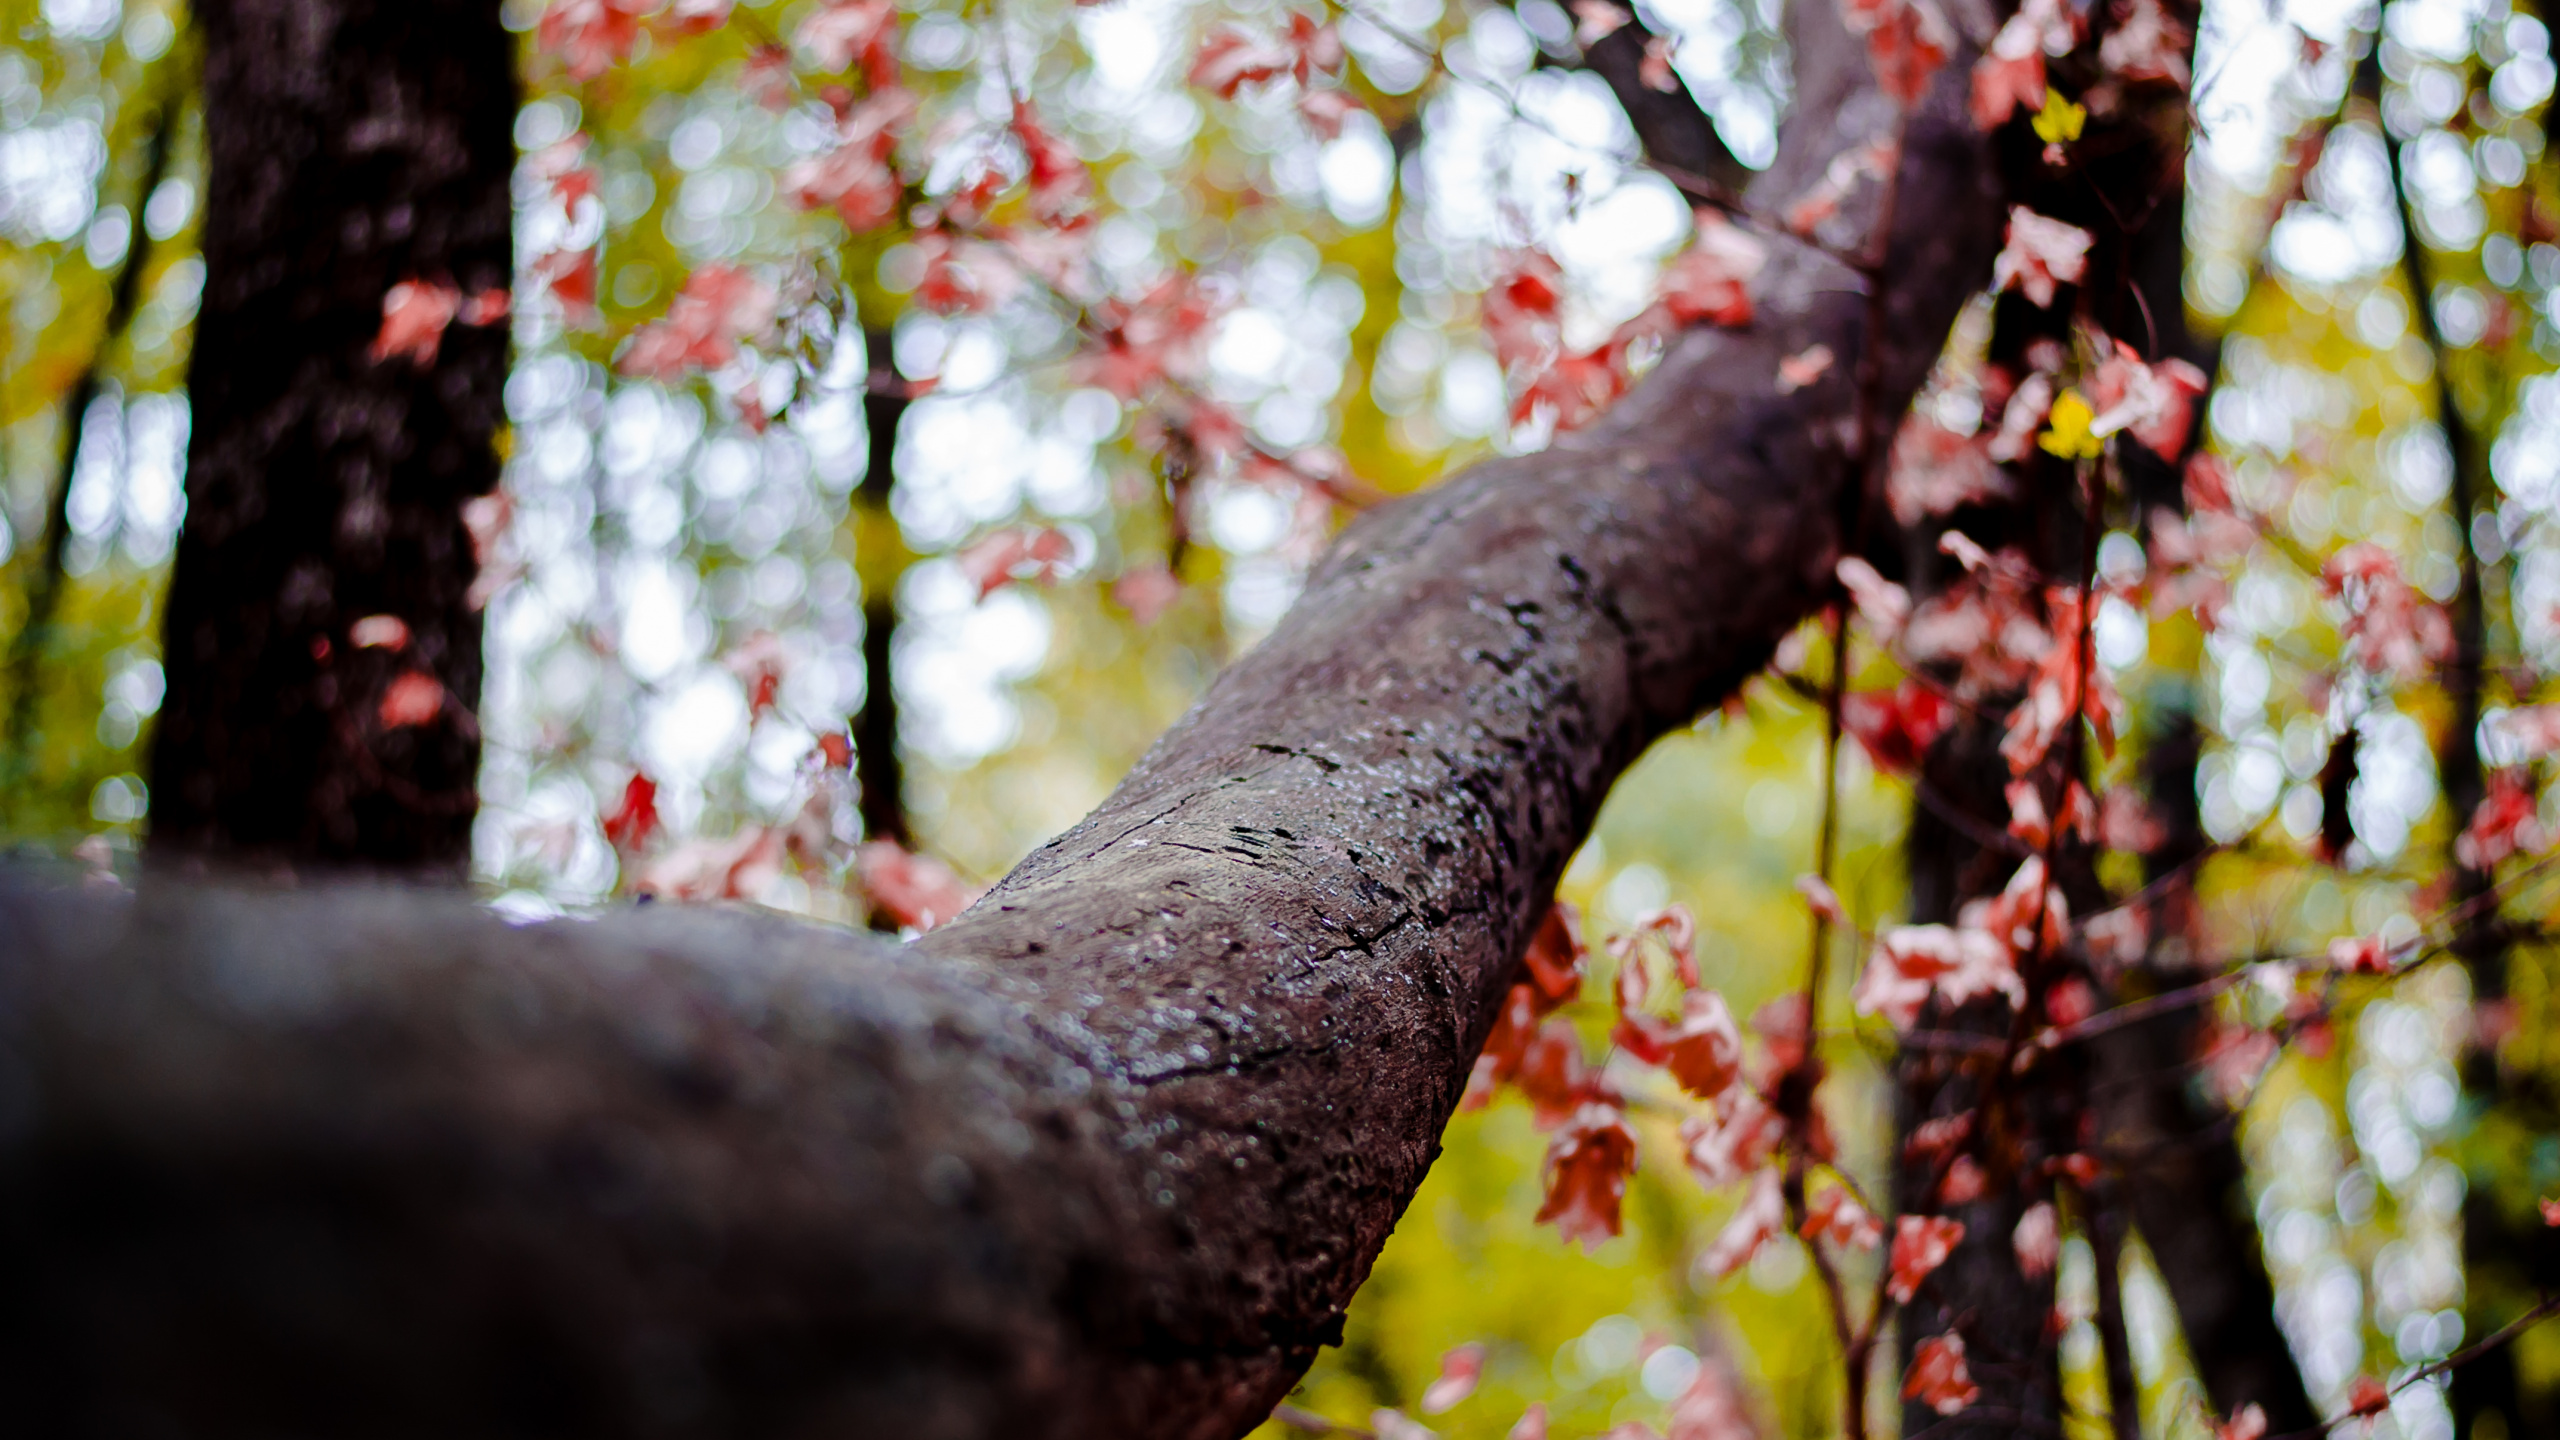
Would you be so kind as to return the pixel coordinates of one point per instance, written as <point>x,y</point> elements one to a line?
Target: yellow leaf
<point>2068,433</point>
<point>2059,120</point>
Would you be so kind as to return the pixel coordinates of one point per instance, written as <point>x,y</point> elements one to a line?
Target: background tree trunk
<point>353,144</point>
<point>20,764</point>
<point>879,771</point>
<point>1107,1155</point>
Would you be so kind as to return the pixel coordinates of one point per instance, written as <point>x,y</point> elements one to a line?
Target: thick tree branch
<point>1107,1155</point>
<point>1677,134</point>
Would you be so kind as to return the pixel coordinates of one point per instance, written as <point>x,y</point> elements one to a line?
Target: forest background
<point>694,570</point>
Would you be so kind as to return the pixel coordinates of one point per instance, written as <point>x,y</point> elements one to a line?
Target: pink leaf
<point>1654,71</point>
<point>1762,1217</point>
<point>917,891</point>
<point>2041,253</point>
<point>1797,371</point>
<point>1597,20</point>
<point>414,698</point>
<point>414,316</point>
<point>1459,1371</point>
<point>2037,1240</point>
<point>2009,75</point>
<point>1023,552</point>
<point>838,34</point>
<point>719,305</point>
<point>2153,403</point>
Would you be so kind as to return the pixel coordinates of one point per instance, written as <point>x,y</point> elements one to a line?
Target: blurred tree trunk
<point>882,555</point>
<point>21,763</point>
<point>2508,1256</point>
<point>353,145</point>
<point>2184,1178</point>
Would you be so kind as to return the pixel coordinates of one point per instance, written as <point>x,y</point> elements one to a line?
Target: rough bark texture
<point>1106,1156</point>
<point>353,144</point>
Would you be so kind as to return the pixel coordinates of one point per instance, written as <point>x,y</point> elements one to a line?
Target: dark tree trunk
<point>1109,1154</point>
<point>354,144</point>
<point>2182,1175</point>
<point>879,773</point>
<point>1981,1292</point>
<point>2503,1261</point>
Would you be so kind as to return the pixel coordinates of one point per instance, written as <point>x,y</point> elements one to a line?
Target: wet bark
<point>353,144</point>
<point>1107,1155</point>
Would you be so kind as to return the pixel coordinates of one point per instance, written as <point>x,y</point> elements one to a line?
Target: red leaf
<point>1586,1174</point>
<point>1060,185</point>
<point>1710,281</point>
<point>1921,1243</point>
<point>1907,40</point>
<point>2368,1397</point>
<point>719,305</point>
<point>841,33</point>
<point>589,37</point>
<point>1702,1049</point>
<point>414,316</point>
<point>1556,957</point>
<point>1229,59</point>
<point>1835,1215</point>
<point>1938,1376</point>
<point>636,819</point>
<point>1896,726</point>
<point>1551,1074</point>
